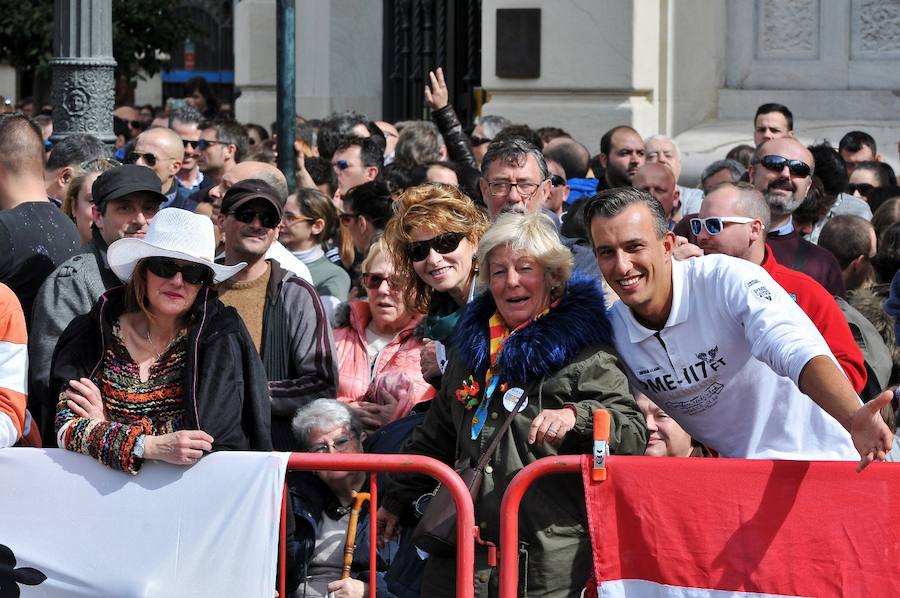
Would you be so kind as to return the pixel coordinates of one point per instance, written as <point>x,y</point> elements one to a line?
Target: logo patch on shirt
<point>763,293</point>
<point>752,282</point>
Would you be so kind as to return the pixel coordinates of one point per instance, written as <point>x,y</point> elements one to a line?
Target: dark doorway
<point>421,35</point>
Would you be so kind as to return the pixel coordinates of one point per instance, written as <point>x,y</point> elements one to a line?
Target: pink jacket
<point>400,356</point>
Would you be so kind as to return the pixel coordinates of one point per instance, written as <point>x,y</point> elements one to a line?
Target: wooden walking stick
<point>358,499</point>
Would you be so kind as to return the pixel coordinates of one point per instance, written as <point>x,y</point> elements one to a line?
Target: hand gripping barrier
<point>465,525</point>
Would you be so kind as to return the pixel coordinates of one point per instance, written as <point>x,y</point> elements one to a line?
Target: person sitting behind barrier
<point>321,504</point>
<point>534,331</point>
<point>667,438</point>
<point>161,369</point>
<point>377,349</point>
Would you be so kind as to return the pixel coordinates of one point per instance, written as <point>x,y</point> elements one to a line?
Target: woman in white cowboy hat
<point>160,368</point>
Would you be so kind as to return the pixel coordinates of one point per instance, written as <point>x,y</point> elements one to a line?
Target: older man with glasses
<point>515,178</point>
<point>282,311</point>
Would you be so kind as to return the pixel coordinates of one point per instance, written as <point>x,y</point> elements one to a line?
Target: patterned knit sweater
<point>133,408</point>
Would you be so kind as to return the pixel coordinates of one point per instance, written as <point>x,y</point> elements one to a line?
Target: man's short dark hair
<point>572,156</point>
<point>369,152</point>
<point>548,134</point>
<point>185,114</point>
<point>830,168</point>
<point>321,171</point>
<point>521,131</point>
<point>23,146</point>
<point>514,150</point>
<point>612,202</point>
<point>606,140</point>
<point>233,133</point>
<point>335,128</point>
<point>371,200</point>
<point>854,141</point>
<point>773,107</point>
<point>73,150</point>
<point>847,237</point>
<point>419,174</point>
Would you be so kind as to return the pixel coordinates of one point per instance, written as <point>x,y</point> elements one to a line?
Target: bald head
<point>779,172</point>
<point>658,180</point>
<point>249,169</point>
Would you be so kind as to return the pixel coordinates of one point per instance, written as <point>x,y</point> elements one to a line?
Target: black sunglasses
<point>777,163</point>
<point>863,188</point>
<point>203,144</point>
<point>446,243</point>
<point>133,157</point>
<point>190,142</point>
<point>373,281</point>
<point>191,273</point>
<point>557,181</point>
<point>266,218</point>
<point>479,140</point>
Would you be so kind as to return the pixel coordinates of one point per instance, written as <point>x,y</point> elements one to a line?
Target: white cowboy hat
<point>173,233</point>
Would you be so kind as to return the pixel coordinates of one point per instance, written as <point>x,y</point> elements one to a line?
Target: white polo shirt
<point>727,363</point>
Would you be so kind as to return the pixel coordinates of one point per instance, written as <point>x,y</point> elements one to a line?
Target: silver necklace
<point>152,346</point>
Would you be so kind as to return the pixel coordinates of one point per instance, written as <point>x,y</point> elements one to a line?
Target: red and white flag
<point>707,528</point>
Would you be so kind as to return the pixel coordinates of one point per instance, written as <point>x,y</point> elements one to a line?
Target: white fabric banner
<point>639,588</point>
<point>206,530</point>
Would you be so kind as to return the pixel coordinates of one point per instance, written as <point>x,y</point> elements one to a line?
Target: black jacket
<point>225,389</point>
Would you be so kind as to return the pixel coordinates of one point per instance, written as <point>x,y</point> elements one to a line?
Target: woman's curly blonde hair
<point>433,207</point>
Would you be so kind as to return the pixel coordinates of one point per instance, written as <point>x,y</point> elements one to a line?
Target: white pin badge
<point>512,396</point>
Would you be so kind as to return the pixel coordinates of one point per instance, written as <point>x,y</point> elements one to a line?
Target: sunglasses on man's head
<point>863,188</point>
<point>267,218</point>
<point>446,243</point>
<point>716,224</point>
<point>777,163</point>
<point>133,157</point>
<point>373,281</point>
<point>191,273</point>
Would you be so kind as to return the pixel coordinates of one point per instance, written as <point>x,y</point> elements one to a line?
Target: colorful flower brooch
<point>468,394</point>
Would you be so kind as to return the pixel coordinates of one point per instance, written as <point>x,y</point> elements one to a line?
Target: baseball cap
<point>120,181</point>
<point>248,189</point>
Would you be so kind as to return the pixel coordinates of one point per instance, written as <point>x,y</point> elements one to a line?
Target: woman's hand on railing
<point>85,400</point>
<point>184,447</point>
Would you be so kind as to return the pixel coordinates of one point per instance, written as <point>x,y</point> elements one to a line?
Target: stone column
<point>83,92</point>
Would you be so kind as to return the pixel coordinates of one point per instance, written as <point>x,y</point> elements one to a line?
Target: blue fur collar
<point>546,345</point>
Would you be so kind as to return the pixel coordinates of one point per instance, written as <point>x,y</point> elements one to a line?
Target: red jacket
<point>401,355</point>
<point>824,312</point>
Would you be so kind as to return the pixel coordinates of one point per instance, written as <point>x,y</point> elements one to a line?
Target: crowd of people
<point>466,296</point>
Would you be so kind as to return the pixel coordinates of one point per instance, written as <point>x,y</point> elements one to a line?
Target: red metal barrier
<point>465,518</point>
<point>509,514</point>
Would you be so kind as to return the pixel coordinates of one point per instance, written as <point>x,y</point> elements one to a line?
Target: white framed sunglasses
<point>716,224</point>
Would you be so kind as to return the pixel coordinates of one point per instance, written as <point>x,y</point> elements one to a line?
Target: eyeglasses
<point>99,165</point>
<point>777,163</point>
<point>863,188</point>
<point>191,273</point>
<point>347,218</point>
<point>291,218</point>
<point>373,281</point>
<point>504,187</point>
<point>716,224</point>
<point>340,445</point>
<point>267,218</point>
<point>137,124</point>
<point>204,144</point>
<point>149,158</point>
<point>479,140</point>
<point>341,165</point>
<point>446,243</point>
<point>557,181</point>
<point>190,142</point>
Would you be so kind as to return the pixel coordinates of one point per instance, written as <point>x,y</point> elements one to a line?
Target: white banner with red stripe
<point>206,530</point>
<point>705,528</point>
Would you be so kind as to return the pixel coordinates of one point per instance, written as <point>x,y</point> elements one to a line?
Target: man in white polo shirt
<point>723,349</point>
